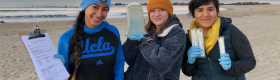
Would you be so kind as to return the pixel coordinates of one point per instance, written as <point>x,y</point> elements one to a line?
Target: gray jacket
<point>159,59</point>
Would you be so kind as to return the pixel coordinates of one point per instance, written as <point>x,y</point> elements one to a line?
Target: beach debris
<point>2,22</point>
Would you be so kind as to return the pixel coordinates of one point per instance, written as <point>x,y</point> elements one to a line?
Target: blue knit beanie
<point>86,3</point>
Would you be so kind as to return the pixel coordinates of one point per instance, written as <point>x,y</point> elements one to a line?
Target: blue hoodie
<point>102,57</point>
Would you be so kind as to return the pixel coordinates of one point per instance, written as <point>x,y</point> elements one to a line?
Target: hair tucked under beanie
<point>164,4</point>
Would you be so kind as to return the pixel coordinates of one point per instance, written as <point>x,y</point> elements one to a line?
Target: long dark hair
<point>76,40</point>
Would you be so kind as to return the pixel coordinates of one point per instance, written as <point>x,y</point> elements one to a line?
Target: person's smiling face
<point>95,14</point>
<point>206,15</point>
<point>158,16</point>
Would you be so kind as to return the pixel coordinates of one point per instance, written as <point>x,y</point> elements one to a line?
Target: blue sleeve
<point>63,46</point>
<point>119,64</point>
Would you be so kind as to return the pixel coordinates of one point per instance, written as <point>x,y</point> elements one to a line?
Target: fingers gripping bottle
<point>198,40</point>
<point>135,18</point>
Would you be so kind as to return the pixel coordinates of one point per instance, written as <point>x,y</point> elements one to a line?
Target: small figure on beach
<point>36,33</point>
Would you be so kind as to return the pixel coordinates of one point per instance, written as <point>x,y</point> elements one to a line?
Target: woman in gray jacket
<point>158,54</point>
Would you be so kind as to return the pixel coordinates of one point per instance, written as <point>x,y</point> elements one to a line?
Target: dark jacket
<point>159,60</point>
<point>236,45</point>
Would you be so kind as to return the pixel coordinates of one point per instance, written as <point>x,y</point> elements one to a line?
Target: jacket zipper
<point>211,68</point>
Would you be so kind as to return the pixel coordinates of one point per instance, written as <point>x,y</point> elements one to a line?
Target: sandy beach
<point>260,23</point>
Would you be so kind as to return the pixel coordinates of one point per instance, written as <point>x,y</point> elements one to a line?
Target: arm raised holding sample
<point>160,52</point>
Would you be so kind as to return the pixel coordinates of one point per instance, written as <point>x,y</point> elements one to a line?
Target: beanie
<point>164,4</point>
<point>86,3</point>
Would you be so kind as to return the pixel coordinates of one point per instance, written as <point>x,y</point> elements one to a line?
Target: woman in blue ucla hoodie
<point>92,49</point>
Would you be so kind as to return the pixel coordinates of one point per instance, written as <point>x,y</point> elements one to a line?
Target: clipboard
<point>47,67</point>
<point>24,33</point>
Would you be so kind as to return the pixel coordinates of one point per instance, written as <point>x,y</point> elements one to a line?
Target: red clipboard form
<point>41,52</point>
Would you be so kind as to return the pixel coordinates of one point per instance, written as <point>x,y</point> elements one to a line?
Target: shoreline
<point>223,7</point>
<point>233,11</point>
<point>178,11</point>
<point>71,15</point>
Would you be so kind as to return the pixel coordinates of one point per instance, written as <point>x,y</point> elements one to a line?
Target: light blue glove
<point>60,57</point>
<point>136,36</point>
<point>225,61</point>
<point>194,52</point>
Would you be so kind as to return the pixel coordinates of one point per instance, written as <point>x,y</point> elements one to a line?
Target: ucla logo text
<point>100,49</point>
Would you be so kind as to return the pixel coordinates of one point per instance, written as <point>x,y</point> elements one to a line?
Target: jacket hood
<point>172,20</point>
<point>225,21</point>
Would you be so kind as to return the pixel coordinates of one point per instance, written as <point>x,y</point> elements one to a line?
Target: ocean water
<point>58,10</point>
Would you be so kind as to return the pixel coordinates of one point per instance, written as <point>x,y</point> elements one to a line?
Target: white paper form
<point>41,51</point>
